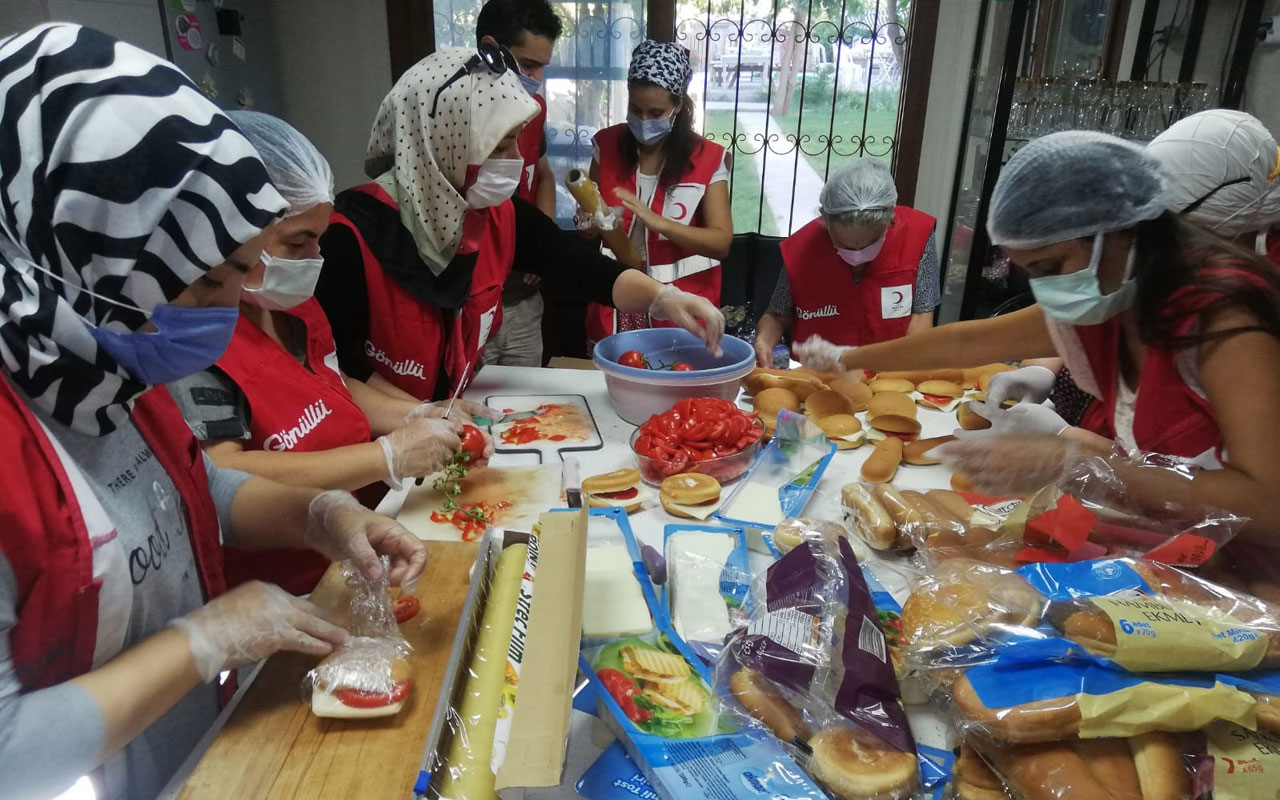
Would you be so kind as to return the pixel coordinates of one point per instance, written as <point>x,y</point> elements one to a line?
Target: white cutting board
<point>578,426</point>
<point>530,490</point>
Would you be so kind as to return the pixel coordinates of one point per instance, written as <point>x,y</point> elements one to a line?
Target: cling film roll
<point>587,195</point>
<point>466,772</point>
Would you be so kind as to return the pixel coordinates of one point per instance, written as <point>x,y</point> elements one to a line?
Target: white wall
<point>1262,92</point>
<point>135,21</point>
<point>334,68</point>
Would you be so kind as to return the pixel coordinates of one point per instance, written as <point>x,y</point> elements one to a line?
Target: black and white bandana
<point>664,63</point>
<point>119,177</point>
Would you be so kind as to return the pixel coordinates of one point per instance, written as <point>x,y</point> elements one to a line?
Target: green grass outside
<point>881,127</point>
<point>745,196</point>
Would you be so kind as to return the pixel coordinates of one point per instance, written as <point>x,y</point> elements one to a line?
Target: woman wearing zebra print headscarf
<point>130,209</point>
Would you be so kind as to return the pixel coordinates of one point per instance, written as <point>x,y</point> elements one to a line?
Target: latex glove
<point>464,411</point>
<point>253,621</point>
<point>420,448</point>
<point>819,354</point>
<point>693,313</point>
<point>1025,419</point>
<point>1026,385</point>
<point>341,529</point>
<point>1010,465</point>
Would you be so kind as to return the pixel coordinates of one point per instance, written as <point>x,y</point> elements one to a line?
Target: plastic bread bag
<point>813,668</point>
<point>1231,762</point>
<point>887,518</point>
<point>369,672</point>
<point>792,531</point>
<point>708,589</point>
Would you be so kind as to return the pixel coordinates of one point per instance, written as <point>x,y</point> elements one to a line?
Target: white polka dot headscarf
<point>427,156</point>
<point>663,63</point>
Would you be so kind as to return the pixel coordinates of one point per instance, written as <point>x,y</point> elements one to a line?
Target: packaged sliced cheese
<point>708,588</point>
<point>613,604</point>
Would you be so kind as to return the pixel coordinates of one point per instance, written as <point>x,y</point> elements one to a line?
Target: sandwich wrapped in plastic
<point>369,670</point>
<point>1138,615</point>
<point>813,668</point>
<point>708,589</point>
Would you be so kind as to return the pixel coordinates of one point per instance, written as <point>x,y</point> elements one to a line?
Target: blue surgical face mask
<point>530,85</point>
<point>186,341</point>
<point>1077,299</point>
<point>649,131</point>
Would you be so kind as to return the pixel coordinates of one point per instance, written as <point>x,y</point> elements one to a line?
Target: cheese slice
<point>324,704</point>
<point>699,512</point>
<point>644,493</point>
<point>756,503</point>
<point>949,407</point>
<point>696,561</point>
<point>856,437</point>
<point>612,603</point>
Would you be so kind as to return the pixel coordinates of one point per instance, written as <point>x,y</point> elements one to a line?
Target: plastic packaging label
<point>789,627</point>
<point>1152,706</point>
<point>1154,632</point>
<point>1246,764</point>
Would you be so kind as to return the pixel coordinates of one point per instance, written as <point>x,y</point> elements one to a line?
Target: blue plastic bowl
<point>638,394</point>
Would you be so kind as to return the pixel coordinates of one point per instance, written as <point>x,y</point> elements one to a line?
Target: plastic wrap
<point>708,588</point>
<point>587,194</point>
<point>791,532</point>
<point>369,670</point>
<point>814,668</point>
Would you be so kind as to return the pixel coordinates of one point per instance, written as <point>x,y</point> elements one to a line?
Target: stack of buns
<point>819,394</point>
<point>939,523</point>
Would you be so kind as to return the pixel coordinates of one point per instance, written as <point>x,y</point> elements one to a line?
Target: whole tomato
<point>635,359</point>
<point>473,443</point>
<point>682,366</point>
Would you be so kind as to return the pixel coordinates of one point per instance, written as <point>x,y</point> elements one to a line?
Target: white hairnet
<point>1205,151</point>
<point>866,185</point>
<point>295,166</point>
<point>1074,184</point>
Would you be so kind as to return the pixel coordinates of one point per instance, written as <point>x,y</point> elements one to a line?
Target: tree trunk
<point>792,57</point>
<point>893,30</point>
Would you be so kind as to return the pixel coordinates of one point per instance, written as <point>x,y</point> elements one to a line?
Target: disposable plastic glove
<point>419,448</point>
<point>464,411</point>
<point>1010,465</point>
<point>253,621</point>
<point>1026,419</point>
<point>693,313</point>
<point>341,529</point>
<point>817,353</point>
<point>1026,385</point>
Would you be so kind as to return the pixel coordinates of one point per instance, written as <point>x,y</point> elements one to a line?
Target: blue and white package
<point>708,588</point>
<point>618,597</point>
<point>614,776</point>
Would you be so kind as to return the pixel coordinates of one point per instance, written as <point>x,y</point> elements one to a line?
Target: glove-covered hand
<point>341,529</point>
<point>1026,385</point>
<point>1027,419</point>
<point>419,448</point>
<point>253,621</point>
<point>1010,465</point>
<point>817,353</point>
<point>693,313</point>
<point>464,411</point>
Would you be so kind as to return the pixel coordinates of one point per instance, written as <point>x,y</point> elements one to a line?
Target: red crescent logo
<point>898,297</point>
<point>684,210</point>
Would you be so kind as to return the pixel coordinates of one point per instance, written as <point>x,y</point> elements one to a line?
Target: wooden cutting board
<point>273,748</point>
<point>529,490</point>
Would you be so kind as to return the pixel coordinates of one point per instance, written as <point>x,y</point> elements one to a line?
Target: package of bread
<point>871,521</point>
<point>858,392</point>
<point>961,603</point>
<point>837,707</point>
<point>825,403</point>
<point>891,403</point>
<point>789,533</point>
<point>882,464</point>
<point>973,779</point>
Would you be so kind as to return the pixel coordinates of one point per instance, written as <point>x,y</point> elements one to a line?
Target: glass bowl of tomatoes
<point>708,435</point>
<point>646,371</point>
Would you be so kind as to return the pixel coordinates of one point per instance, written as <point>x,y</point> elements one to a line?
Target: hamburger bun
<point>853,765</point>
<point>621,480</point>
<point>891,403</point>
<point>905,428</point>
<point>825,402</point>
<point>891,385</point>
<point>838,426</point>
<point>770,401</point>
<point>917,452</point>
<point>688,489</point>
<point>941,388</point>
<point>858,392</point>
<point>918,376</point>
<point>970,420</point>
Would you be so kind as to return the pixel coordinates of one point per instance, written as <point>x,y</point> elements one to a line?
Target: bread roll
<point>771,401</point>
<point>870,519</point>
<point>904,428</point>
<point>940,388</point>
<point>858,392</point>
<point>878,385</point>
<point>882,464</point>
<point>891,403</point>
<point>1162,773</point>
<point>1049,720</point>
<point>761,700</point>
<point>1111,764</point>
<point>918,376</point>
<point>961,483</point>
<point>1052,771</point>
<point>934,519</point>
<point>956,505</point>
<point>973,779</point>
<point>825,403</point>
<point>917,452</point>
<point>969,419</point>
<point>853,765</point>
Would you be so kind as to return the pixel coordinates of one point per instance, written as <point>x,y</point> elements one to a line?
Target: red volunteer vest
<point>409,340</point>
<point>292,408</point>
<point>530,144</point>
<point>43,535</point>
<point>682,202</point>
<point>852,310</point>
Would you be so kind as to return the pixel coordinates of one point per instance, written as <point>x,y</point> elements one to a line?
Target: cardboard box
<point>539,730</point>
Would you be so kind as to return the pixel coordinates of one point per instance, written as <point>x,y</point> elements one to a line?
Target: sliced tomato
<point>906,437</point>
<point>356,698</point>
<point>625,494</point>
<point>937,399</point>
<point>407,608</point>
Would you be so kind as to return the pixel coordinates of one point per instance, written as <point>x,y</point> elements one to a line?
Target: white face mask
<point>496,182</point>
<point>286,282</point>
<point>1077,298</point>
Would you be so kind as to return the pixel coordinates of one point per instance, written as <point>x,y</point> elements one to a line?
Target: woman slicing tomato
<point>415,260</point>
<point>671,182</point>
<point>275,404</point>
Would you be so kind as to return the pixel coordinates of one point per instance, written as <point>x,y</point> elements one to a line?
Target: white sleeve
<point>721,175</point>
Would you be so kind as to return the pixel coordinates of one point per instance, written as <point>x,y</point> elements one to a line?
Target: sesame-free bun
<point>891,385</point>
<point>771,401</point>
<point>891,403</point>
<point>617,481</point>
<point>943,388</point>
<point>826,402</point>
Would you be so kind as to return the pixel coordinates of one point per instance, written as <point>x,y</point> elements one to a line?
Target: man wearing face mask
<point>1174,331</point>
<point>415,260</point>
<point>529,29</point>
<point>865,271</point>
<point>276,403</point>
<point>672,184</point>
